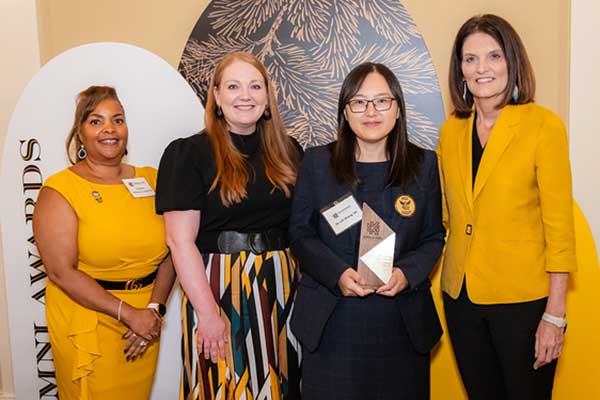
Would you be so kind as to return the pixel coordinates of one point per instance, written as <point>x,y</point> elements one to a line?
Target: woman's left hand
<point>395,285</point>
<point>548,343</point>
<point>136,345</point>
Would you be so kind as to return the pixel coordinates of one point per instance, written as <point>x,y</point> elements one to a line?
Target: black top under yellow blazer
<point>515,224</point>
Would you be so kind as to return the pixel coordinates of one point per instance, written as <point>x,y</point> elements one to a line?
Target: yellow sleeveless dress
<point>120,238</point>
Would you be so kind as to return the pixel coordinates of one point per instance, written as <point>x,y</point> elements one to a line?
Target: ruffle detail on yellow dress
<point>83,335</point>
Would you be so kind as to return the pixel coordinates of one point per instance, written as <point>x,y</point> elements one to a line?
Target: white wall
<point>584,124</point>
<point>20,61</point>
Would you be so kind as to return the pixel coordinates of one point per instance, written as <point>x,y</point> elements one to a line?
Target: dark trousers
<point>494,349</point>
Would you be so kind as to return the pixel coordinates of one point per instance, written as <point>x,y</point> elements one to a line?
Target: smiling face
<point>484,67</point>
<point>242,95</point>
<point>372,126</point>
<point>104,132</point>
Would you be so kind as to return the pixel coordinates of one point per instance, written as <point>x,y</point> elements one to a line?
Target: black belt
<point>132,284</point>
<point>230,242</point>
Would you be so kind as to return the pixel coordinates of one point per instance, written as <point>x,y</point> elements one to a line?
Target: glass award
<point>376,249</point>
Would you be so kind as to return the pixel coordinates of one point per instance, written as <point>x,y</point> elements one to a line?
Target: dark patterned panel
<point>309,46</point>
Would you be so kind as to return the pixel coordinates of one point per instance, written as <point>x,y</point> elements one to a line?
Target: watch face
<point>162,310</point>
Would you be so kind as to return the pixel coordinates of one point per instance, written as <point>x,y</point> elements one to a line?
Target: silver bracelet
<point>554,320</point>
<point>119,311</point>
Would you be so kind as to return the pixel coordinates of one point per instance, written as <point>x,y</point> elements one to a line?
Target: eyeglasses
<point>380,104</point>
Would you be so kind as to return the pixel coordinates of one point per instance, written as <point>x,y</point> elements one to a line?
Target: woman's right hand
<point>351,284</point>
<point>144,322</point>
<point>212,336</point>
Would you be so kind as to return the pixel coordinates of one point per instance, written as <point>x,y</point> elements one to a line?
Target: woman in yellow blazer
<point>508,206</point>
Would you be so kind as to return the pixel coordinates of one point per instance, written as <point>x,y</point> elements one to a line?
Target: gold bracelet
<point>119,311</point>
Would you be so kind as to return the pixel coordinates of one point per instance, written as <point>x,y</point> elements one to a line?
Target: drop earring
<point>267,114</point>
<point>219,113</point>
<point>515,93</point>
<point>465,89</point>
<point>81,154</point>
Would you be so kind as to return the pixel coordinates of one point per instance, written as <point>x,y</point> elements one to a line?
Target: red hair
<point>279,154</point>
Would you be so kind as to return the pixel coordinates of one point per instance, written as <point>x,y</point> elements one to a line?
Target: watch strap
<point>160,308</point>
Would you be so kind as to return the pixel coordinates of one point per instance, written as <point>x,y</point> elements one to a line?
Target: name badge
<point>342,214</point>
<point>138,187</point>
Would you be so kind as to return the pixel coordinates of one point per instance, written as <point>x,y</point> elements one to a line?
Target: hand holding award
<point>376,250</point>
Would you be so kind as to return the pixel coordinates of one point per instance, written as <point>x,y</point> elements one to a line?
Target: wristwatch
<point>161,308</point>
<point>556,321</point>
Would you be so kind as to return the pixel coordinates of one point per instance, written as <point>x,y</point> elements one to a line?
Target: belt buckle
<point>133,284</point>
<point>252,239</point>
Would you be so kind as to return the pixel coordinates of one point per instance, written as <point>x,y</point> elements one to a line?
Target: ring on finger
<point>143,343</point>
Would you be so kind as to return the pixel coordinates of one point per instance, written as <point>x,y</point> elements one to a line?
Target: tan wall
<point>163,28</point>
<point>160,27</point>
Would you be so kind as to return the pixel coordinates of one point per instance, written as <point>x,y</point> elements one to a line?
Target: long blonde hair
<point>279,154</point>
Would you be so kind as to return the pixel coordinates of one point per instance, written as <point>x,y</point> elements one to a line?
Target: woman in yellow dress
<point>107,262</point>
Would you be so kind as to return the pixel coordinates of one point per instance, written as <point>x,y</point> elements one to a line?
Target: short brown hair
<point>87,101</point>
<point>520,73</point>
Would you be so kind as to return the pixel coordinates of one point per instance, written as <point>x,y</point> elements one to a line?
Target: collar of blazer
<point>501,136</point>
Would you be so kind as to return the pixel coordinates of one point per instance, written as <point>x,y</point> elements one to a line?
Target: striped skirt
<point>255,294</point>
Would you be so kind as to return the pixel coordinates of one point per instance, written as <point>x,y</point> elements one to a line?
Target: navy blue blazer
<point>323,256</point>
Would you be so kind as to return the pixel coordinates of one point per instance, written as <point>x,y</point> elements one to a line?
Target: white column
<point>584,126</point>
<point>20,61</point>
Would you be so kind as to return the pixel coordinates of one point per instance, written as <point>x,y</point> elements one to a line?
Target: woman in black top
<point>360,342</point>
<point>226,196</point>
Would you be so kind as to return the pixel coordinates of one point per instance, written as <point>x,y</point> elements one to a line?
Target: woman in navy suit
<point>361,343</point>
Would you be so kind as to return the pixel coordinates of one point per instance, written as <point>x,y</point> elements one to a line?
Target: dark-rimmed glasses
<point>380,104</point>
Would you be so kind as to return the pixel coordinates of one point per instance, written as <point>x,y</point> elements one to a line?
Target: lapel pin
<point>405,205</point>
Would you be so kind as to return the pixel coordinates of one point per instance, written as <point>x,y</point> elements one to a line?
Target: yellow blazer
<point>516,223</point>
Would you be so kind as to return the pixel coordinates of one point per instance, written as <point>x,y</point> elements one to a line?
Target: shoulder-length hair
<point>279,154</point>
<point>520,72</point>
<point>404,156</point>
<point>87,101</point>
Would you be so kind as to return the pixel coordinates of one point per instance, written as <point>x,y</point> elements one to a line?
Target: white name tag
<point>343,214</point>
<point>138,187</point>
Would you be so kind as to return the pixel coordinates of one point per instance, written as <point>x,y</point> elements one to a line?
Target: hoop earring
<point>515,93</point>
<point>81,154</point>
<point>465,90</point>
<point>219,113</point>
<point>267,114</point>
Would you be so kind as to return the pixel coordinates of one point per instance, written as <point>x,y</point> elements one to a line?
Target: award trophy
<point>376,249</point>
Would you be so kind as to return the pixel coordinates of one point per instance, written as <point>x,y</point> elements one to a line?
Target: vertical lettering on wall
<point>32,179</point>
<point>45,365</point>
